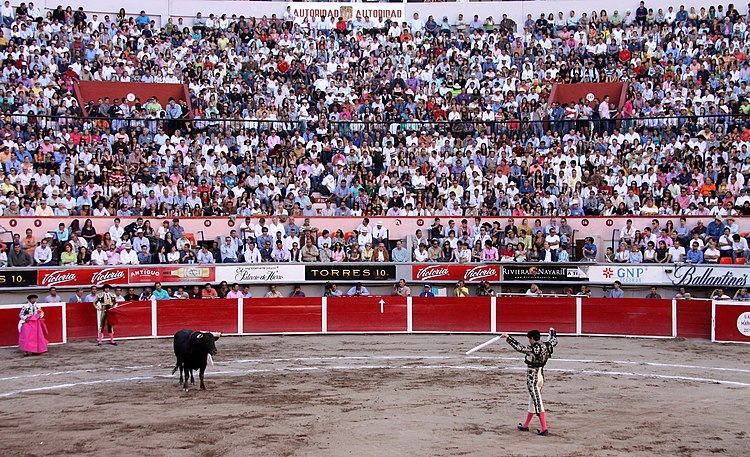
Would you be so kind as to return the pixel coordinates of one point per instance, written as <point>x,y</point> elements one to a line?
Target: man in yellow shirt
<point>461,290</point>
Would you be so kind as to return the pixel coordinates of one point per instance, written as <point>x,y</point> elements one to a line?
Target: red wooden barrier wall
<point>82,321</point>
<point>728,322</point>
<point>283,315</point>
<point>598,316</point>
<point>626,316</point>
<point>362,314</point>
<point>521,314</point>
<point>9,325</point>
<point>216,315</point>
<point>451,314</point>
<point>136,321</point>
<point>694,318</point>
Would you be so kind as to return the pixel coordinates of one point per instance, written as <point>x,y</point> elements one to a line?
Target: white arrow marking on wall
<point>382,302</point>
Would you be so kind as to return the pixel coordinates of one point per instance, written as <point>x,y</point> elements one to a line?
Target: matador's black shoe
<point>522,428</point>
<point>544,432</point>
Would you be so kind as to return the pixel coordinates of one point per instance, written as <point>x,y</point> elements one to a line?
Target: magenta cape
<point>33,335</point>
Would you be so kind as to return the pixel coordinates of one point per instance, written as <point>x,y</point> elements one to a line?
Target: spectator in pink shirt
<point>489,253</point>
<point>235,292</point>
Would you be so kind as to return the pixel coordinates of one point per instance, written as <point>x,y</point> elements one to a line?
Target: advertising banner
<point>17,278</point>
<point>151,274</point>
<point>260,273</point>
<point>72,277</point>
<point>543,272</point>
<point>350,273</point>
<point>627,274</point>
<point>455,272</point>
<point>708,276</point>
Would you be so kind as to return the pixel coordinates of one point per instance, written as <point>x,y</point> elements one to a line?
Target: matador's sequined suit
<point>537,355</point>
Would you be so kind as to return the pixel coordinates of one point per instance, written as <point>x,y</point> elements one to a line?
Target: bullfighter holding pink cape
<point>32,331</point>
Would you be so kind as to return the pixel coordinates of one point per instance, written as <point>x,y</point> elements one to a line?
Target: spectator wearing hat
<point>715,228</point>
<point>128,256</point>
<point>427,292</point>
<point>176,229</point>
<point>380,234</point>
<point>140,241</point>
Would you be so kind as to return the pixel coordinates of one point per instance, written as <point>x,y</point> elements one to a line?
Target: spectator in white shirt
<point>43,254</point>
<point>205,256</point>
<point>128,256</point>
<point>99,256</point>
<point>116,231</point>
<point>421,254</point>
<point>627,233</point>
<point>252,253</point>
<point>43,209</point>
<point>228,254</point>
<point>139,241</point>
<point>676,253</point>
<point>739,247</point>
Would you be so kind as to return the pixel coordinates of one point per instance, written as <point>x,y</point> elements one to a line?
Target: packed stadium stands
<point>373,118</point>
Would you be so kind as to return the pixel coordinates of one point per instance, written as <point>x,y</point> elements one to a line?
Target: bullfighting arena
<point>377,395</point>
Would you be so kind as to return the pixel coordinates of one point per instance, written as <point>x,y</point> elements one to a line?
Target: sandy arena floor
<point>384,395</point>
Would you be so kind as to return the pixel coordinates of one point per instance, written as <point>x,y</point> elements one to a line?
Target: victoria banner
<point>454,272</point>
<point>72,277</point>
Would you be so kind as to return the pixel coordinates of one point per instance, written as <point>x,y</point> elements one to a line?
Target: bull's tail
<point>176,367</point>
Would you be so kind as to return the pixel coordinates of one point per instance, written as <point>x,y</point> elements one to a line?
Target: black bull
<point>192,350</point>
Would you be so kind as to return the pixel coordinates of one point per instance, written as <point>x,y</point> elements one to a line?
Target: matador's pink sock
<point>543,420</point>
<point>100,337</point>
<point>529,416</point>
<point>111,337</point>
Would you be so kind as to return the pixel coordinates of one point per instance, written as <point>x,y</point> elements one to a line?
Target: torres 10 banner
<point>456,272</point>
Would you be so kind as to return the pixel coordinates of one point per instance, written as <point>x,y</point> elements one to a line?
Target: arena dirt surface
<point>377,395</point>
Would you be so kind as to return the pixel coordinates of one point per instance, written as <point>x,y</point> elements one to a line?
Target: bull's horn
<point>217,334</point>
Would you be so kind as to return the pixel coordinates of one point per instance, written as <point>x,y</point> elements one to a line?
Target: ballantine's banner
<point>708,276</point>
<point>348,11</point>
<point>71,277</point>
<point>353,272</point>
<point>260,273</point>
<point>147,274</point>
<point>543,272</point>
<point>455,272</point>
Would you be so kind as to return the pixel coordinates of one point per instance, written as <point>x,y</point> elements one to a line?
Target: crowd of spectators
<point>287,111</point>
<point>281,239</point>
<point>429,117</point>
<point>699,243</point>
